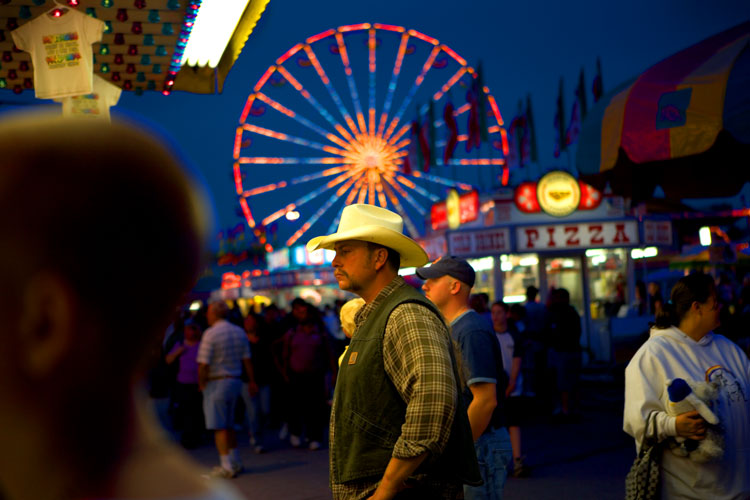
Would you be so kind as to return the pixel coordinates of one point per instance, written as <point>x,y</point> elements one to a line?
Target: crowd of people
<point>285,387</point>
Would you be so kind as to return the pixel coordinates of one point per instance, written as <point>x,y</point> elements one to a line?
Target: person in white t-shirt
<point>683,345</point>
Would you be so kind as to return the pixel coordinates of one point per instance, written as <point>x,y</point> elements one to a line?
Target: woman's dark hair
<point>696,287</point>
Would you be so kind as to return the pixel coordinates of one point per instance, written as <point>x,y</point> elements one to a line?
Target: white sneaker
<point>314,445</point>
<point>223,473</point>
<point>295,441</point>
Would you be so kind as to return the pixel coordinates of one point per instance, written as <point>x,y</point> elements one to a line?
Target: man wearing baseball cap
<point>448,283</point>
<point>398,423</point>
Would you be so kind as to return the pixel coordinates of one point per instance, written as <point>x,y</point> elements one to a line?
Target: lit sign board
<point>485,242</point>
<point>584,235</point>
<point>278,259</point>
<point>456,210</point>
<point>657,232</point>
<point>558,193</point>
<point>320,257</point>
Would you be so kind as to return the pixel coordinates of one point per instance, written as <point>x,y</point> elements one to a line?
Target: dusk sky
<point>524,47</point>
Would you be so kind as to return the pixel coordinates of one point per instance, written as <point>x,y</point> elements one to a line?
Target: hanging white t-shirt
<point>94,105</point>
<point>61,54</point>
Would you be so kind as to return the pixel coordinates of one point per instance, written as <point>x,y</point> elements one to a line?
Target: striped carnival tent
<point>683,125</point>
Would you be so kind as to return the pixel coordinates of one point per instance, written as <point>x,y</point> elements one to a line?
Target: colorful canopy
<point>675,109</point>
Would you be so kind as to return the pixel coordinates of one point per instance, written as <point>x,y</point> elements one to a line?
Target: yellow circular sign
<point>452,205</point>
<point>558,193</point>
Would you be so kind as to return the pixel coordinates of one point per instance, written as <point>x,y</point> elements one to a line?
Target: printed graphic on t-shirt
<point>87,104</point>
<point>62,49</point>
<point>727,382</point>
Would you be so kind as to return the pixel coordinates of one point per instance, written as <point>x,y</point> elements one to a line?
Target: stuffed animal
<point>684,397</point>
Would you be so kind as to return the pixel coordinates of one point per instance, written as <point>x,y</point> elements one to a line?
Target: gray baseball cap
<point>452,266</point>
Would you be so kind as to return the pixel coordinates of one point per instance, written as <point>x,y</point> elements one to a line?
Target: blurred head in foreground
<point>93,217</point>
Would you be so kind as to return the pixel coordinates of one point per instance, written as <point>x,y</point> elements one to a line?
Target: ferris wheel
<point>365,113</point>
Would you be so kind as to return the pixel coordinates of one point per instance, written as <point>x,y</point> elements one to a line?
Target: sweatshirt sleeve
<point>644,393</point>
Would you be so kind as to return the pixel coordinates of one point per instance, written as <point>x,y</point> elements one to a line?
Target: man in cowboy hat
<point>448,283</point>
<point>398,423</point>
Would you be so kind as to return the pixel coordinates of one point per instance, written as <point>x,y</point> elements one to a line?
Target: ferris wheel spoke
<point>296,140</point>
<point>263,160</point>
<point>298,203</point>
<point>312,220</point>
<point>325,173</point>
<point>363,191</point>
<point>477,161</point>
<point>280,185</point>
<point>442,180</point>
<point>400,209</point>
<point>450,83</point>
<point>415,86</point>
<point>262,189</point>
<point>381,196</point>
<point>393,82</point>
<point>398,135</point>
<point>372,43</point>
<point>331,91</point>
<point>314,102</point>
<point>301,119</point>
<point>419,189</point>
<point>405,195</point>
<point>344,54</point>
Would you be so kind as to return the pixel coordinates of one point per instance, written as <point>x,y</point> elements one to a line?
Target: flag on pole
<point>533,156</point>
<point>577,114</point>
<point>452,128</point>
<point>474,138</point>
<point>431,134</point>
<point>517,135</point>
<point>424,155</point>
<point>481,104</point>
<point>416,134</point>
<point>559,123</point>
<point>598,86</point>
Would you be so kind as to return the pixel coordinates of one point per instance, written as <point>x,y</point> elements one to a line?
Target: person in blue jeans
<point>448,283</point>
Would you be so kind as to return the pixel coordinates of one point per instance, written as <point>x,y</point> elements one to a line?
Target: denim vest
<point>369,412</point>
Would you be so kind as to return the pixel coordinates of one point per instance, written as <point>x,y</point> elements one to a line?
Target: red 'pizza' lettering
<point>620,236</point>
<point>532,235</point>
<point>572,239</point>
<point>551,233</point>
<point>596,234</point>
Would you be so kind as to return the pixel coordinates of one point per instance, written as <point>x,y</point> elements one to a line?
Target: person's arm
<point>251,385</point>
<point>481,407</point>
<point>515,369</point>
<point>175,353</point>
<point>202,375</point>
<point>644,385</point>
<point>396,473</point>
<point>416,355</point>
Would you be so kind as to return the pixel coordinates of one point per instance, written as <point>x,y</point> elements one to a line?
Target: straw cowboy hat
<point>377,225</point>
